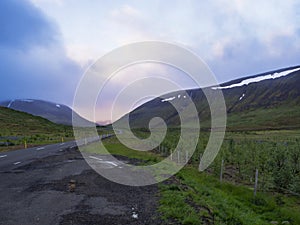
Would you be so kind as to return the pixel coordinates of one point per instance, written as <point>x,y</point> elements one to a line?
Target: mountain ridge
<point>267,104</point>
<point>55,112</point>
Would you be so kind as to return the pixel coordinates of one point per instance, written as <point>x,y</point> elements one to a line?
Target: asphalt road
<point>13,159</point>
<point>35,189</point>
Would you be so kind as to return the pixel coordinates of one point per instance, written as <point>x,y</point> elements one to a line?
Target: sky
<point>46,46</point>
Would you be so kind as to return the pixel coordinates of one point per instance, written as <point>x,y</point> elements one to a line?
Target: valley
<point>254,179</point>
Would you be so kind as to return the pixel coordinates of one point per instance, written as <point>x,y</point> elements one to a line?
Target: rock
<point>72,185</point>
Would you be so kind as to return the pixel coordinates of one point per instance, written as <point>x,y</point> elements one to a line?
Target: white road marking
<point>2,156</point>
<point>40,148</point>
<point>16,163</point>
<point>93,157</point>
<point>111,163</point>
<point>107,162</point>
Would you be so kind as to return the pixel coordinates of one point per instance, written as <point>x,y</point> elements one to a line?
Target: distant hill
<point>54,112</point>
<point>16,123</point>
<point>269,100</point>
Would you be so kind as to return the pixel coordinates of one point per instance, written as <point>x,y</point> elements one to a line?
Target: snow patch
<point>26,100</point>
<point>179,96</point>
<point>243,95</point>
<point>258,79</point>
<point>184,96</point>
<point>9,104</point>
<point>57,105</point>
<point>168,99</point>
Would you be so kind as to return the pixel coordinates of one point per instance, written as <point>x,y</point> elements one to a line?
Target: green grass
<point>116,148</point>
<point>191,197</point>
<point>200,197</point>
<point>17,127</point>
<point>265,118</point>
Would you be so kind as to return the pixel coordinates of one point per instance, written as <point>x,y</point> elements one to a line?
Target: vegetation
<point>18,128</point>
<point>193,197</point>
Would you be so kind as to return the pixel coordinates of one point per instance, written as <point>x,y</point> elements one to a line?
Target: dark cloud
<point>23,25</point>
<point>33,61</point>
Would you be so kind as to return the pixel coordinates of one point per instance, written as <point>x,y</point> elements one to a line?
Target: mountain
<point>57,113</point>
<point>269,100</point>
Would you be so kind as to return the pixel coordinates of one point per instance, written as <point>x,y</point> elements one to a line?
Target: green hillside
<point>17,127</point>
<point>268,104</point>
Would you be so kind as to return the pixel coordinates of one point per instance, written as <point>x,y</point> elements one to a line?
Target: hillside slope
<point>54,112</point>
<point>267,102</point>
<point>19,124</point>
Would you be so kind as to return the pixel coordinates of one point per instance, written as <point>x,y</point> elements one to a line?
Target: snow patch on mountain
<point>168,99</point>
<point>258,79</point>
<point>25,100</point>
<point>9,104</point>
<point>243,95</point>
<point>57,105</point>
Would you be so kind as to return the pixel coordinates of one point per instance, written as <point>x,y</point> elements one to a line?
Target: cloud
<point>23,26</point>
<point>235,38</point>
<point>33,60</point>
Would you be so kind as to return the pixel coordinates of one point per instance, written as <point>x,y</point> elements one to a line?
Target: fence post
<point>256,181</point>
<point>186,156</point>
<point>221,172</point>
<point>200,157</point>
<point>25,144</point>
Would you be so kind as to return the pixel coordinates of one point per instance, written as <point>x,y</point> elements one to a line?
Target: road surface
<point>35,189</point>
<point>13,159</point>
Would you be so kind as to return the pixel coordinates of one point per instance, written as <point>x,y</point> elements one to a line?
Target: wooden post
<point>200,157</point>
<point>178,156</point>
<point>221,172</point>
<point>186,156</point>
<point>256,181</point>
<point>25,144</point>
<point>62,139</point>
<point>171,154</point>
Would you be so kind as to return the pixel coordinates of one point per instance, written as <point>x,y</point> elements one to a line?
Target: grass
<point>265,118</point>
<point>17,127</point>
<point>199,197</point>
<point>191,197</point>
<point>116,148</point>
